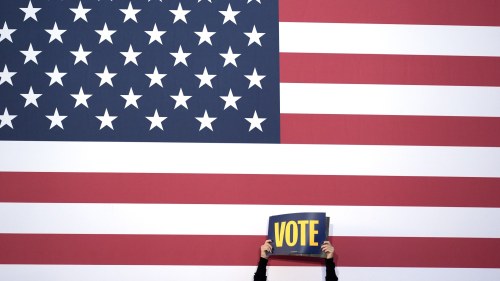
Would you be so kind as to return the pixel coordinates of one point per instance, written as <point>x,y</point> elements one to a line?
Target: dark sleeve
<point>260,274</point>
<point>330,270</point>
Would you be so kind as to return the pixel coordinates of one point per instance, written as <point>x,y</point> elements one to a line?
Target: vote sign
<point>298,234</point>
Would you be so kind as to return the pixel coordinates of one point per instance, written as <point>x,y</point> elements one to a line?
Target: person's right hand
<point>265,249</point>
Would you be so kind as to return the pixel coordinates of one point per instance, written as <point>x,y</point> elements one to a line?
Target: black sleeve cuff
<point>330,270</point>
<point>261,269</point>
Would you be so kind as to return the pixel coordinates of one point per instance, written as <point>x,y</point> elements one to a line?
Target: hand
<point>265,249</point>
<point>328,249</point>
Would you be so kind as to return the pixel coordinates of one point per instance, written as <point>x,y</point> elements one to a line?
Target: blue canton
<point>170,71</point>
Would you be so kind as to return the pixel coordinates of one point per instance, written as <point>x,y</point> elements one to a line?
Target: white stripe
<point>249,159</point>
<point>389,100</point>
<point>348,38</point>
<point>218,219</point>
<point>236,273</point>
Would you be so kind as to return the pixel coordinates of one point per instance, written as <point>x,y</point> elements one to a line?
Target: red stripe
<point>441,12</point>
<point>252,189</point>
<point>390,130</point>
<point>390,69</point>
<point>241,250</point>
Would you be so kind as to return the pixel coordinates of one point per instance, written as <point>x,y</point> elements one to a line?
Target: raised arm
<point>265,249</point>
<point>330,265</point>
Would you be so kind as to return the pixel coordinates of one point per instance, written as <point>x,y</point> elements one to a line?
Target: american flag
<point>151,140</point>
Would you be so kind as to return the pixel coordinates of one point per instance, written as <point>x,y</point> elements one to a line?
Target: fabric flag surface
<point>152,140</point>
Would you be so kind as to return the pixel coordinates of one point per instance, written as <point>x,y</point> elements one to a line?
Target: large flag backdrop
<point>386,118</point>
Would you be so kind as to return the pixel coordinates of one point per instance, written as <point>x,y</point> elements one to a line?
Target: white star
<point>230,57</point>
<point>80,12</point>
<point>255,79</point>
<point>106,77</point>
<point>155,78</point>
<point>130,12</point>
<point>255,0</point>
<point>131,98</point>
<point>230,100</point>
<point>255,122</point>
<point>205,78</point>
<point>30,12</point>
<point>31,98</point>
<point>81,55</point>
<point>254,36</point>
<point>5,32</point>
<point>156,120</point>
<point>181,99</point>
<point>106,120</point>
<point>180,56</point>
<point>130,55</point>
<point>180,14</point>
<point>56,119</point>
<point>56,76</point>
<point>30,55</point>
<point>6,119</point>
<point>6,76</point>
<point>155,35</point>
<point>105,34</point>
<point>207,0</point>
<point>206,121</point>
<point>81,98</point>
<point>229,14</point>
<point>55,33</point>
<point>204,35</point>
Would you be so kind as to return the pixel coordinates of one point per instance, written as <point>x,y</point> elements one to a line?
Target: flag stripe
<point>366,99</point>
<point>249,159</point>
<point>445,12</point>
<point>206,250</point>
<point>387,221</point>
<point>394,39</point>
<point>379,129</point>
<point>220,189</point>
<point>22,272</point>
<point>389,69</point>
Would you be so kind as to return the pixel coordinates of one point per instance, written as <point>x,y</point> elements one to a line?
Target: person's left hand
<point>328,249</point>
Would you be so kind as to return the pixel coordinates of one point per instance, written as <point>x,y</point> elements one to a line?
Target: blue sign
<point>298,234</point>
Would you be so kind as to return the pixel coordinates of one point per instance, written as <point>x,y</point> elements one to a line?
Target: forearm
<point>260,274</point>
<point>330,270</point>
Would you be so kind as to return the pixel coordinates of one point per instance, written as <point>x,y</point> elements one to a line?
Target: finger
<point>269,241</point>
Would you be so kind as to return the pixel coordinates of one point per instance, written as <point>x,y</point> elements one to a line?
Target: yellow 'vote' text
<point>288,232</point>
